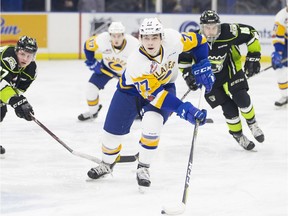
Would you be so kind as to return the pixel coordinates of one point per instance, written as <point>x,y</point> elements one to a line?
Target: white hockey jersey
<point>148,74</point>
<point>280,31</point>
<point>114,60</point>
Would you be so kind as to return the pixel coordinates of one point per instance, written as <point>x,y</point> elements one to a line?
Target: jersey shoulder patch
<point>9,58</point>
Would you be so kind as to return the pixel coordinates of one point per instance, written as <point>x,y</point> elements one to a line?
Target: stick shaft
<point>190,161</point>
<point>121,159</point>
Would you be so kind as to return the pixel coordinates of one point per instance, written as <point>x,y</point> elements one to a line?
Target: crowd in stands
<point>170,6</point>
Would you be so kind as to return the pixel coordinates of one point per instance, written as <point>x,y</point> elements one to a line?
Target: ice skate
<point>2,150</point>
<point>100,171</point>
<point>257,132</point>
<point>243,141</point>
<point>282,102</point>
<point>88,115</point>
<point>143,178</point>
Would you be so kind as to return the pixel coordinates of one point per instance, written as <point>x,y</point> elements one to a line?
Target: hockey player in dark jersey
<point>17,72</point>
<point>230,89</point>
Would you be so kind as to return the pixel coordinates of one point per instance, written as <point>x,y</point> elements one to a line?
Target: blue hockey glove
<point>190,113</point>
<point>252,64</point>
<point>276,60</point>
<point>94,65</point>
<point>203,74</point>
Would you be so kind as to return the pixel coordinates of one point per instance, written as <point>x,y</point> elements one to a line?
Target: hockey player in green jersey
<point>230,89</point>
<point>17,72</point>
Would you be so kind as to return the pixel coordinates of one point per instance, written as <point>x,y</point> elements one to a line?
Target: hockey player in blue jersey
<point>148,84</point>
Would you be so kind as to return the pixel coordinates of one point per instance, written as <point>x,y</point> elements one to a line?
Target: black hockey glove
<point>22,107</point>
<point>190,79</point>
<point>252,64</point>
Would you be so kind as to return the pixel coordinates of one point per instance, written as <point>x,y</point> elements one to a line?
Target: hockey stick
<point>267,68</point>
<point>121,159</point>
<point>282,61</point>
<point>176,210</point>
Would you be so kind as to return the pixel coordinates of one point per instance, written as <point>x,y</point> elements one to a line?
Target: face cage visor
<point>211,31</point>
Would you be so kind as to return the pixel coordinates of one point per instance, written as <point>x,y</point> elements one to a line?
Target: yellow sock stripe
<point>149,142</point>
<point>93,102</point>
<point>234,125</point>
<point>283,86</point>
<point>248,113</point>
<point>108,151</point>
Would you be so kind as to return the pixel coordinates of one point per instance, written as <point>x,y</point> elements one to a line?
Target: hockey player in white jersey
<point>148,84</point>
<point>279,56</point>
<point>115,46</point>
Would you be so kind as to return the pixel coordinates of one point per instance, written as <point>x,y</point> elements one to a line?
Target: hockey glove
<point>190,113</point>
<point>94,65</point>
<point>190,79</point>
<point>252,64</point>
<point>276,60</point>
<point>22,107</point>
<point>203,74</point>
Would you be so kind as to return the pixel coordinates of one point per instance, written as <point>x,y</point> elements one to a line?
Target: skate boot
<point>257,132</point>
<point>87,115</point>
<point>283,101</point>
<point>2,150</point>
<point>143,176</point>
<point>101,170</point>
<point>243,141</point>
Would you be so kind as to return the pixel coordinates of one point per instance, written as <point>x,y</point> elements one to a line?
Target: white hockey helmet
<point>151,26</point>
<point>116,27</point>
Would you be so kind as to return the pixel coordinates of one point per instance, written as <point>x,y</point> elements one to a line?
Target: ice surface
<point>40,177</point>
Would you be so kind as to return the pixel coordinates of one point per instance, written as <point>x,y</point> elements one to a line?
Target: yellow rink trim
<point>67,56</point>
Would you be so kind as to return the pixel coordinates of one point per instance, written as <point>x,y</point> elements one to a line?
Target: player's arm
<point>278,40</point>
<point>150,89</point>
<point>248,35</point>
<point>6,75</point>
<point>11,95</point>
<point>196,46</point>
<point>279,37</point>
<point>90,46</point>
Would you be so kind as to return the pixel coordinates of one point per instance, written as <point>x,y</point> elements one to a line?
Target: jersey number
<point>142,86</point>
<point>4,72</point>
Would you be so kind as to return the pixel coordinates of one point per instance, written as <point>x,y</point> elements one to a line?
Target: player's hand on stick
<point>190,113</point>
<point>21,106</point>
<point>203,74</point>
<point>252,64</point>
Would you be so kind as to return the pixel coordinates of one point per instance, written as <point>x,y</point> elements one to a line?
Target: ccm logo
<point>202,70</point>
<point>254,59</point>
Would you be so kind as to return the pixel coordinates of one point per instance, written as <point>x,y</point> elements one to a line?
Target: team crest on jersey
<point>11,61</point>
<point>164,74</point>
<point>217,62</point>
<point>153,67</point>
<point>116,64</point>
<point>107,51</point>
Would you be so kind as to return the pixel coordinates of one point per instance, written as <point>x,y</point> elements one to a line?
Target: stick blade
<point>173,210</point>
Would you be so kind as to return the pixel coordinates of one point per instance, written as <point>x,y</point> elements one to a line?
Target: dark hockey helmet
<point>27,44</point>
<point>209,16</point>
<point>210,25</point>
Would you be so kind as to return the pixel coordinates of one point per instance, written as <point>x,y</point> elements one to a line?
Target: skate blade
<point>281,107</point>
<point>143,189</point>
